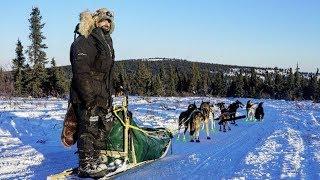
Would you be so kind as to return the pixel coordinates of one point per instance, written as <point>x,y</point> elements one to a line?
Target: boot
<point>103,158</point>
<point>92,169</point>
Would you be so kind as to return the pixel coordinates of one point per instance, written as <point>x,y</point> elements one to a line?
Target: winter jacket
<point>92,59</point>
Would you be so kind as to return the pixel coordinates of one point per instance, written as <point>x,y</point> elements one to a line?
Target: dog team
<point>194,117</point>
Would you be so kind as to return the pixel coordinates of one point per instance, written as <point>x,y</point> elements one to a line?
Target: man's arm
<point>81,57</point>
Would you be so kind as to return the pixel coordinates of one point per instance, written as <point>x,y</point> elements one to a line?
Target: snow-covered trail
<point>285,145</point>
<point>29,139</point>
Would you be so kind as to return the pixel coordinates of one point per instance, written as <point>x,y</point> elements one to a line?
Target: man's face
<point>104,24</point>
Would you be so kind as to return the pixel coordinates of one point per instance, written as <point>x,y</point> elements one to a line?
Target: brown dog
<point>195,125</point>
<point>206,111</point>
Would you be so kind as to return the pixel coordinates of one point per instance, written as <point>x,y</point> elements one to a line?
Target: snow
<point>285,145</point>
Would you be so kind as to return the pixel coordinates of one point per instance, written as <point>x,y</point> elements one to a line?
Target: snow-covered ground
<point>285,145</point>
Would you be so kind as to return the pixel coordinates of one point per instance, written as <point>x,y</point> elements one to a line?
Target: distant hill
<point>131,66</point>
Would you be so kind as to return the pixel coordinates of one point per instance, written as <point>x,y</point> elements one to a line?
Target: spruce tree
<point>290,86</point>
<point>203,86</point>
<point>143,79</point>
<point>172,82</point>
<point>37,55</point>
<point>28,80</point>
<point>317,96</point>
<point>253,83</point>
<point>117,75</point>
<point>298,92</point>
<point>246,86</point>
<point>50,85</point>
<point>269,85</point>
<point>183,82</point>
<point>2,82</point>
<point>57,84</point>
<point>195,78</point>
<point>310,89</point>
<point>218,85</point>
<point>157,88</point>
<point>6,83</point>
<point>18,70</point>
<point>121,78</point>
<point>239,85</point>
<point>279,85</point>
<point>163,74</point>
<point>231,89</point>
<point>125,81</point>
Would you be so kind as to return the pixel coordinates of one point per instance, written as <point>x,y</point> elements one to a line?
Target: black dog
<point>184,118</point>
<point>224,116</point>
<point>259,114</point>
<point>233,110</point>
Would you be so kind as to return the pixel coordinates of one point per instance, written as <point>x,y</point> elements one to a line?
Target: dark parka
<point>92,59</point>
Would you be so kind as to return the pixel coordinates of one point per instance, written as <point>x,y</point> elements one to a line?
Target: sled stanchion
<point>134,158</point>
<point>126,128</point>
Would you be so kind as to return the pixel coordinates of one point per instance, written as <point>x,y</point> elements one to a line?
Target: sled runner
<point>129,144</point>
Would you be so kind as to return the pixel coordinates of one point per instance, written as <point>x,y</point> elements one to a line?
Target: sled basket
<point>136,144</point>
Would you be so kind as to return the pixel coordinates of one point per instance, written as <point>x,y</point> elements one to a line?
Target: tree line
<point>32,77</point>
<point>171,78</point>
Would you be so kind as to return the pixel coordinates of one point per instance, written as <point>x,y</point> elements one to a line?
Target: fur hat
<point>88,20</point>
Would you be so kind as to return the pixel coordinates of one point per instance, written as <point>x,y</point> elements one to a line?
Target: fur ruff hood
<point>88,21</point>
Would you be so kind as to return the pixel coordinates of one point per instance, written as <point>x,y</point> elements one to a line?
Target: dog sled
<point>132,145</point>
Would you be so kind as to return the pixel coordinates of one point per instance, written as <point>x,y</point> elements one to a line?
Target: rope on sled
<point>130,126</point>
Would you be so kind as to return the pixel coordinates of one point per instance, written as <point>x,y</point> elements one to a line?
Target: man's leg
<point>88,129</point>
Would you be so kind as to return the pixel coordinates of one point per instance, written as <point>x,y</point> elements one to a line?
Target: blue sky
<point>265,33</point>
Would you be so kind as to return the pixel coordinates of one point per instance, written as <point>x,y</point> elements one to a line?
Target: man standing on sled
<point>92,60</point>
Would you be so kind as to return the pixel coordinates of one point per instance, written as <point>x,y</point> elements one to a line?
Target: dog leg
<point>207,130</point>
<point>213,125</point>
<point>179,133</point>
<point>184,134</point>
<point>184,138</point>
<point>197,136</point>
<point>192,138</point>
